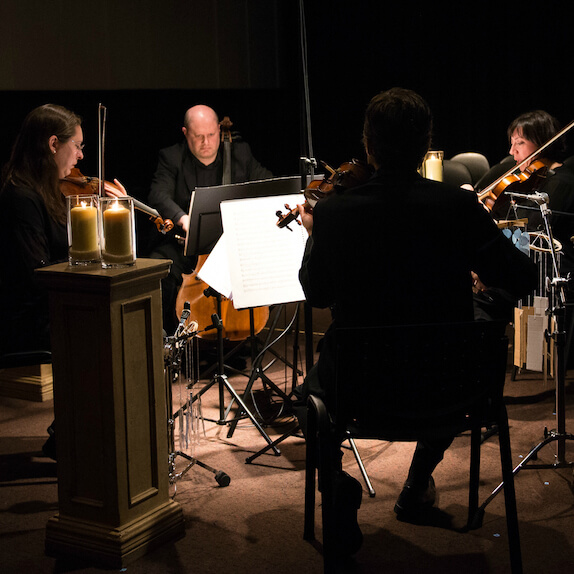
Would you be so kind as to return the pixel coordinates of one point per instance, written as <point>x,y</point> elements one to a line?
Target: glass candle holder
<point>118,234</point>
<point>83,229</point>
<point>432,167</point>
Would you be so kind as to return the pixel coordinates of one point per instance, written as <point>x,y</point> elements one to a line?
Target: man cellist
<point>198,161</point>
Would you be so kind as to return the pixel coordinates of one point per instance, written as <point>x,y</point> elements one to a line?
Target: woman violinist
<point>527,134</point>
<point>551,175</point>
<point>33,230</point>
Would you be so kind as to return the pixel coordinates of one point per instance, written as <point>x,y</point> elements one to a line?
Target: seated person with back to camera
<point>425,279</point>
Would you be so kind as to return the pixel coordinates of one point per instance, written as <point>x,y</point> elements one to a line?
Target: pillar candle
<point>433,169</point>
<point>117,234</point>
<point>84,222</point>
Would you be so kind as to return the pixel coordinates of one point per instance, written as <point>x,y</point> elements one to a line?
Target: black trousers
<point>428,453</point>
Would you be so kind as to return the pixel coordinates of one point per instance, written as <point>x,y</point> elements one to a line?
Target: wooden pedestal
<point>110,410</point>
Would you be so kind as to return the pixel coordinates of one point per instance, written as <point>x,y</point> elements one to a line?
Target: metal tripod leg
<point>532,455</point>
<point>294,432</point>
<point>221,379</point>
<point>251,458</point>
<point>560,435</point>
<point>257,370</point>
<point>246,411</point>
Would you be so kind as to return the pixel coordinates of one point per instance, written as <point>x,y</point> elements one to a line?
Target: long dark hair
<point>32,164</point>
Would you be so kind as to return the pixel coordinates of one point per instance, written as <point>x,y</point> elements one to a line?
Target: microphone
<point>537,197</point>
<point>184,316</point>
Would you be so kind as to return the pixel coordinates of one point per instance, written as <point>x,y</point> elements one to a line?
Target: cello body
<point>236,323</point>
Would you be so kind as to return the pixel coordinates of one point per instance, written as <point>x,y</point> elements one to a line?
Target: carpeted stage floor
<point>255,525</point>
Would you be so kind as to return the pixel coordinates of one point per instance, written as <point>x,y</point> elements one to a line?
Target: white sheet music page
<point>264,260</point>
<point>215,270</point>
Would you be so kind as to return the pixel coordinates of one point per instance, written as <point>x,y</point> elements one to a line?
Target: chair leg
<point>311,463</point>
<point>509,494</point>
<point>475,441</point>
<point>318,457</point>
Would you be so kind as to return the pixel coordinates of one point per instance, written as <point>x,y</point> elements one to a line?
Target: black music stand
<point>205,226</point>
<point>264,261</point>
<point>205,230</point>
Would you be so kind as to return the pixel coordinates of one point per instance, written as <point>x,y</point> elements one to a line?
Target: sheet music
<point>264,260</point>
<point>215,270</point>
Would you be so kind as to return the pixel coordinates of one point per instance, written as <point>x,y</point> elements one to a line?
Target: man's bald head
<point>201,130</point>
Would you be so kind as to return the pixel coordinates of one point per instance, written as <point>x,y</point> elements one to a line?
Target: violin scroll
<point>347,175</point>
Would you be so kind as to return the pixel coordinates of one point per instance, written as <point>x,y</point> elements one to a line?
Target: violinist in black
<point>409,271</point>
<point>34,233</point>
<point>552,174</point>
<point>195,162</point>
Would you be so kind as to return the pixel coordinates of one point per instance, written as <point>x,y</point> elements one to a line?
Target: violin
<point>528,180</point>
<point>347,175</point>
<point>490,194</point>
<point>78,184</point>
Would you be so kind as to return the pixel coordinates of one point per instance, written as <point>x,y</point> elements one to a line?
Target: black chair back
<point>418,380</point>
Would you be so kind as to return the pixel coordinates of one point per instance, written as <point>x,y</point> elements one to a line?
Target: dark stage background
<point>147,62</point>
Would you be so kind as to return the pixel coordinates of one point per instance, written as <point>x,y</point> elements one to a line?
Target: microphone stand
<point>556,287</point>
<point>174,348</point>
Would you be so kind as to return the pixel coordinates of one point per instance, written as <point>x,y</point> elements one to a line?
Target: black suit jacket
<point>176,176</point>
<point>399,250</point>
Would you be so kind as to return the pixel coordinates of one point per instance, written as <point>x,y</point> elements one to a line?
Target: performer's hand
<point>477,284</point>
<point>116,190</point>
<point>184,222</point>
<point>306,219</point>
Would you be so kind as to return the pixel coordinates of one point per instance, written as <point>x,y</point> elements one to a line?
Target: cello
<point>236,324</point>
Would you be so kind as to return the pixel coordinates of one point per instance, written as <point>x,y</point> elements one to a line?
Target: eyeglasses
<point>79,147</point>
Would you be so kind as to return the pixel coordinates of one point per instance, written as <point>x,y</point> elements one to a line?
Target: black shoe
<point>347,497</point>
<point>413,500</point>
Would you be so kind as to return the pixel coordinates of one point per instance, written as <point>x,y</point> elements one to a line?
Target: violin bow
<point>102,113</point>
